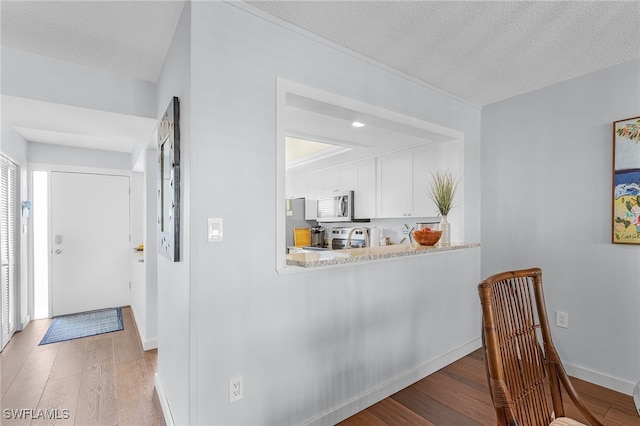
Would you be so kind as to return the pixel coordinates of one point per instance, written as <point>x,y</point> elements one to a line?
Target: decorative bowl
<point>426,236</point>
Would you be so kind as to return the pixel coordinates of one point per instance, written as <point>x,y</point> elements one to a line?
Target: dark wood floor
<point>458,395</point>
<point>100,380</point>
<point>109,380</point>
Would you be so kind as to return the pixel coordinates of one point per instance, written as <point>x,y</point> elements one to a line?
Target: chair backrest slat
<point>519,354</point>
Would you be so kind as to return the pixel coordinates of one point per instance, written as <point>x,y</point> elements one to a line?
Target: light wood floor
<point>101,380</point>
<point>458,395</point>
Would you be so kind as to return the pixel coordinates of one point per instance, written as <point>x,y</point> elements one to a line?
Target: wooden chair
<point>514,320</point>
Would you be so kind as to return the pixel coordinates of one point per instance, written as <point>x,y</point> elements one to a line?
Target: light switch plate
<point>214,229</point>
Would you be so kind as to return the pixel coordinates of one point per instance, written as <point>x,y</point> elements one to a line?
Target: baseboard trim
<point>387,389</point>
<point>147,345</point>
<point>609,382</point>
<point>166,411</point>
<point>25,321</point>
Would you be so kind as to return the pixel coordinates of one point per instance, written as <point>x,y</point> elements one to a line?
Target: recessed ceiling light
<point>357,124</point>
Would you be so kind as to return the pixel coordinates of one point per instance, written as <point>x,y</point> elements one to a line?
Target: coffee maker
<point>318,236</point>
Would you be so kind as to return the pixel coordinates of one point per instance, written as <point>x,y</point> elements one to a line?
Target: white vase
<point>445,227</point>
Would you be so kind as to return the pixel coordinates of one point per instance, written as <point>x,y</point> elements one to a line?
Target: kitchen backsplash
<point>390,227</point>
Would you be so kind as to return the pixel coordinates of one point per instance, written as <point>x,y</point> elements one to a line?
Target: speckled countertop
<point>312,259</point>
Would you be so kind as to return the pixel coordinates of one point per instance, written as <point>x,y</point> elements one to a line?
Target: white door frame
<point>45,167</point>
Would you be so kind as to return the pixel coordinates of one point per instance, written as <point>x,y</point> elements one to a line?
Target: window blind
<point>8,248</point>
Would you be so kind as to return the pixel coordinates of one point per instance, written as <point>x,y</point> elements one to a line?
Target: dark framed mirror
<point>169,182</point>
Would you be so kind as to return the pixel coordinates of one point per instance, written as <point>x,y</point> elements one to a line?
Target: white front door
<point>90,241</point>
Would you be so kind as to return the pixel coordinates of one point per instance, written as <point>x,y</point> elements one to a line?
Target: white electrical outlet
<point>562,319</point>
<point>235,389</point>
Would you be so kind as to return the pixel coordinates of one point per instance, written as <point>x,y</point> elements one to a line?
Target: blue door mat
<point>83,324</point>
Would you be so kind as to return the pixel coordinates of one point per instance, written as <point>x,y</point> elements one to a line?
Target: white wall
<point>313,346</point>
<point>144,266</point>
<point>546,201</point>
<point>72,156</point>
<point>175,304</point>
<point>138,277</point>
<point>31,76</point>
<point>144,274</point>
<point>150,339</point>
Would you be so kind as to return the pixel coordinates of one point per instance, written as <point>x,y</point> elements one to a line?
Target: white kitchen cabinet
<point>332,180</point>
<point>348,177</point>
<point>403,180</point>
<point>359,176</point>
<point>365,189</point>
<point>315,185</point>
<point>327,181</point>
<point>295,186</point>
<point>425,162</point>
<point>395,185</point>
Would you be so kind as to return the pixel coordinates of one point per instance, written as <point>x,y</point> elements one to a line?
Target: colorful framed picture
<point>626,181</point>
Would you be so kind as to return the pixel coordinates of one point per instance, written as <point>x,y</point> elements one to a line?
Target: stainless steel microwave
<point>336,208</point>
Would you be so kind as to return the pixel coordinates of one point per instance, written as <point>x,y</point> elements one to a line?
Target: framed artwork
<point>169,182</point>
<point>626,181</point>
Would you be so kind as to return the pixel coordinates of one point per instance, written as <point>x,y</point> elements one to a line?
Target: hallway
<point>100,380</point>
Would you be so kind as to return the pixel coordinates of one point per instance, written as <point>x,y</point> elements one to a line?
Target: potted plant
<point>442,192</point>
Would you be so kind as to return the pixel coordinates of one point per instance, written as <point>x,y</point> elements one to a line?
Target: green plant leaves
<point>443,190</point>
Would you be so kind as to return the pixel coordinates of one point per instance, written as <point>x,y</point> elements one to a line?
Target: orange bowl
<point>426,237</point>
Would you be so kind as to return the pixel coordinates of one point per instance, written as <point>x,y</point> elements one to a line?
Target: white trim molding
<point>609,382</point>
<point>147,345</point>
<point>166,411</point>
<point>385,390</point>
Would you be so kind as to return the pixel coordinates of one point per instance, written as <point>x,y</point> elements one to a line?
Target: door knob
<point>58,251</point>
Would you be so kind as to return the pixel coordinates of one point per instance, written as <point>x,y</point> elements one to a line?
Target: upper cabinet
<point>295,186</point>
<point>394,185</point>
<point>365,193</point>
<point>359,176</point>
<point>403,180</point>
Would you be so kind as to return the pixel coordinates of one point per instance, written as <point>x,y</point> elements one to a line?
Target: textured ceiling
<point>125,37</point>
<point>129,38</point>
<point>481,51</point>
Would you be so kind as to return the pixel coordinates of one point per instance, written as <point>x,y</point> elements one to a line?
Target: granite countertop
<point>311,259</point>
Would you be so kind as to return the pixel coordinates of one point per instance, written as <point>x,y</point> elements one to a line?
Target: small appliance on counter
<point>318,237</point>
<point>340,235</point>
<point>375,233</point>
